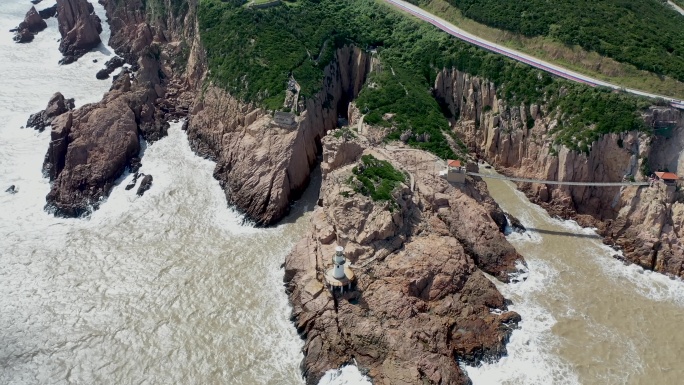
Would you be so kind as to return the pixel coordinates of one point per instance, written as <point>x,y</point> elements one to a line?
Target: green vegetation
<point>572,57</point>
<point>252,53</point>
<point>646,33</point>
<point>590,114</point>
<point>345,133</point>
<point>377,178</point>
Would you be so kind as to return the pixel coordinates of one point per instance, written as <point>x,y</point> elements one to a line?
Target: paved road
<point>519,56</point>
<point>676,7</point>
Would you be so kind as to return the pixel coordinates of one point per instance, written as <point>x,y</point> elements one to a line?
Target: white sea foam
<point>530,358</point>
<point>347,375</point>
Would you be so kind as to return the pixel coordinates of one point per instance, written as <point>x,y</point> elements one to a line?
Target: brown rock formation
<point>56,106</point>
<point>80,28</point>
<point>92,145</point>
<point>89,150</point>
<point>625,216</point>
<point>261,165</point>
<point>31,25</point>
<point>421,303</point>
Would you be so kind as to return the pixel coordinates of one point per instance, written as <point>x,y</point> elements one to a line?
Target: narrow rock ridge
<point>262,165</point>
<point>645,223</point>
<point>421,303</point>
<point>80,28</point>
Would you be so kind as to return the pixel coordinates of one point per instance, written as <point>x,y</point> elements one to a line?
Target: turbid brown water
<point>587,318</point>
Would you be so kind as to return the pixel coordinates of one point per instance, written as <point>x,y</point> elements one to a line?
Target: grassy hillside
<point>253,52</point>
<point>646,33</point>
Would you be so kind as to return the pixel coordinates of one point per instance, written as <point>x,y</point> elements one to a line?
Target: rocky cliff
<point>263,165</point>
<point>421,302</point>
<point>93,145</point>
<point>518,140</point>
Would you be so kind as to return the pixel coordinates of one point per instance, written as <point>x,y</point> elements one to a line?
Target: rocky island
<point>421,302</point>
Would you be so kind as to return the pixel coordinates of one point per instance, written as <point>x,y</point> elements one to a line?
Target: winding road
<point>519,56</point>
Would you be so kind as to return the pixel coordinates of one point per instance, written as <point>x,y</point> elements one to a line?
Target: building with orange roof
<point>667,177</point>
<point>455,171</point>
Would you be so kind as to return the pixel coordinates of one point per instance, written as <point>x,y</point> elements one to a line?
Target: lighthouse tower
<point>338,261</point>
<point>340,275</point>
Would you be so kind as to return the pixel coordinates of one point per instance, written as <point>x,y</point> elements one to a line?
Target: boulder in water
<point>110,66</point>
<point>31,25</point>
<point>145,185</point>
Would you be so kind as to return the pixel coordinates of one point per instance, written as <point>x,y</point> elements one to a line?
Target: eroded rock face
<point>640,221</point>
<point>421,303</point>
<point>31,25</point>
<point>91,146</point>
<point>80,28</point>
<point>57,105</point>
<point>89,150</point>
<point>263,166</point>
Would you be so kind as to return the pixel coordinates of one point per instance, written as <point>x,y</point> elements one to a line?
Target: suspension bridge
<point>442,164</point>
<point>556,182</point>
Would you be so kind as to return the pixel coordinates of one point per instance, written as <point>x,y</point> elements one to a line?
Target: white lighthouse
<point>338,263</point>
<point>341,274</point>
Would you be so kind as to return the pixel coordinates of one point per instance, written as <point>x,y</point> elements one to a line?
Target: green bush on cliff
<point>252,53</point>
<point>377,178</point>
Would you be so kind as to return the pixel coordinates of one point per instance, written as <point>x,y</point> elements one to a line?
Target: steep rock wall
<point>505,137</point>
<point>263,166</point>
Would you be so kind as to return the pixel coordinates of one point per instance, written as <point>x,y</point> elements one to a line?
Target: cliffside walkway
<point>595,184</point>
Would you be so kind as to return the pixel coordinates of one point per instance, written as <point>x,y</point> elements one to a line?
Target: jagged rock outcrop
<point>421,302</point>
<point>503,135</point>
<point>89,149</point>
<point>31,25</point>
<point>80,28</point>
<point>57,105</point>
<point>263,166</point>
<point>91,146</point>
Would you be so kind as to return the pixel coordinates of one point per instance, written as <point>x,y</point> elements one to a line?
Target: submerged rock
<point>145,185</point>
<point>110,66</point>
<point>80,28</point>
<point>56,106</point>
